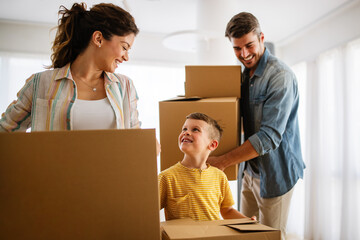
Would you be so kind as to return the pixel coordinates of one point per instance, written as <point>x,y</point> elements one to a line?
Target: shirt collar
<point>111,77</point>
<point>262,64</point>
<point>64,72</point>
<point>194,169</point>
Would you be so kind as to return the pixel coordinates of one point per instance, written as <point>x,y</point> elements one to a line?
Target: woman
<point>81,91</point>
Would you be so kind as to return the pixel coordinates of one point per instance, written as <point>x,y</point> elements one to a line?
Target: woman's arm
<point>17,116</point>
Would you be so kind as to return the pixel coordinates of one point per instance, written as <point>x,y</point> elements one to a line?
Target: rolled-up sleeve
<point>277,107</point>
<point>134,114</point>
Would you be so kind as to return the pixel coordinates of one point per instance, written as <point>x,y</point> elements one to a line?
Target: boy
<point>191,188</point>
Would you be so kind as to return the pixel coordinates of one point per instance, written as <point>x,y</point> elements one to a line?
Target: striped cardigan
<point>46,100</point>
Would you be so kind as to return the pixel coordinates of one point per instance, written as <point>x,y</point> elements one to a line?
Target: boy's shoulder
<point>215,169</point>
<point>171,170</point>
<point>217,172</point>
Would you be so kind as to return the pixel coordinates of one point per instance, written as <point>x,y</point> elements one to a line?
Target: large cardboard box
<point>173,115</point>
<point>213,81</point>
<point>79,185</point>
<point>242,229</point>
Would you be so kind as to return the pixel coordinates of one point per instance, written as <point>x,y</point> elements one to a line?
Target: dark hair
<point>216,130</point>
<point>241,24</point>
<point>76,26</point>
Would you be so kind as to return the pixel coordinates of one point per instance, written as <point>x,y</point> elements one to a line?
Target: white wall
<point>334,30</point>
<point>35,38</point>
<point>25,37</point>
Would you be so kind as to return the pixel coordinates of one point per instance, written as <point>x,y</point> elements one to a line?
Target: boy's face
<point>195,137</point>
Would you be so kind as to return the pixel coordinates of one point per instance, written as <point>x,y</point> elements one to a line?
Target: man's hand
<point>217,162</point>
<point>240,154</point>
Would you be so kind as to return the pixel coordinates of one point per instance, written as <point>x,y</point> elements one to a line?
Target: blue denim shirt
<point>274,101</point>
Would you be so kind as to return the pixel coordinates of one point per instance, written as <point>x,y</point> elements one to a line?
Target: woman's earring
<point>99,45</point>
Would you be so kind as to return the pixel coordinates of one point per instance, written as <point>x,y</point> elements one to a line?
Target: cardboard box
<point>173,115</point>
<point>242,229</point>
<point>79,185</point>
<point>213,81</point>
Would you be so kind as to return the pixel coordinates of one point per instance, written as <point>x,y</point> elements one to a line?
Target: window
<point>14,70</point>
<point>327,206</point>
<point>153,84</point>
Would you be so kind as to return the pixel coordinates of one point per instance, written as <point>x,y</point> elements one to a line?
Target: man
<point>271,151</point>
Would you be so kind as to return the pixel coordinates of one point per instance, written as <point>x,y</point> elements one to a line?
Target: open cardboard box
<point>79,185</point>
<point>173,114</point>
<point>213,81</point>
<point>242,229</point>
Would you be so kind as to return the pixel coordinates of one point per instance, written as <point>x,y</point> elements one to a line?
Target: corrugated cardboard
<point>243,229</point>
<point>79,185</point>
<point>172,118</point>
<point>213,81</point>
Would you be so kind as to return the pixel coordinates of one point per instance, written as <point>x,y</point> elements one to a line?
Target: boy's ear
<point>213,145</point>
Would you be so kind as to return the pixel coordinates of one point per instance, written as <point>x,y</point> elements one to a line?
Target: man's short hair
<point>215,129</point>
<point>241,24</point>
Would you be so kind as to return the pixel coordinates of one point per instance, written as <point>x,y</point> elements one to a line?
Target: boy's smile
<point>186,139</point>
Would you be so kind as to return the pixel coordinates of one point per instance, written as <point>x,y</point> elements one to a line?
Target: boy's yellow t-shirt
<point>194,193</point>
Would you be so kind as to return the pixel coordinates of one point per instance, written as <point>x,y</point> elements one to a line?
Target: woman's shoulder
<point>118,77</point>
<point>54,73</point>
<point>42,76</point>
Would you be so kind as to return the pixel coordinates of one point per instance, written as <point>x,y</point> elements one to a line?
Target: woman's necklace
<point>93,88</point>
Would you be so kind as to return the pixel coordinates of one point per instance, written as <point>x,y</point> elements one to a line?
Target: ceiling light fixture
<point>189,40</point>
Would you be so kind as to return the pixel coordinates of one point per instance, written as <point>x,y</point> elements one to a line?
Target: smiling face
<point>249,49</point>
<point>195,137</point>
<point>114,51</point>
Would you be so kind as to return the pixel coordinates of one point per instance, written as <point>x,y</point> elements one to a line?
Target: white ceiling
<point>280,19</point>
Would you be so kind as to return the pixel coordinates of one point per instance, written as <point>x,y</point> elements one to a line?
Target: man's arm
<point>281,101</point>
<point>240,154</point>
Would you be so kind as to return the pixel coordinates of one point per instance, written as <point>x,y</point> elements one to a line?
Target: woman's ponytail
<point>66,46</point>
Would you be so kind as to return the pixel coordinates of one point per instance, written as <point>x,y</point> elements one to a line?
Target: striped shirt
<point>194,193</point>
<point>45,102</point>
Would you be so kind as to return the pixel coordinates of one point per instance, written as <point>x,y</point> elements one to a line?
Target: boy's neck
<point>198,162</point>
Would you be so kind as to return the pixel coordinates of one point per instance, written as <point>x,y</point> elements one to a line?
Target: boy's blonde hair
<point>215,129</point>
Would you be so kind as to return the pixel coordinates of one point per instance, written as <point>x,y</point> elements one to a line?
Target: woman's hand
<point>158,148</point>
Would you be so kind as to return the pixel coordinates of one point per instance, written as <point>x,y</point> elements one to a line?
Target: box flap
<point>181,98</point>
<point>250,227</point>
<point>189,221</point>
<point>184,99</point>
<point>197,231</point>
<point>226,222</point>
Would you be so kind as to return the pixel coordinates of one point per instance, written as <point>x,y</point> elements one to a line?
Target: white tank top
<point>93,114</point>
